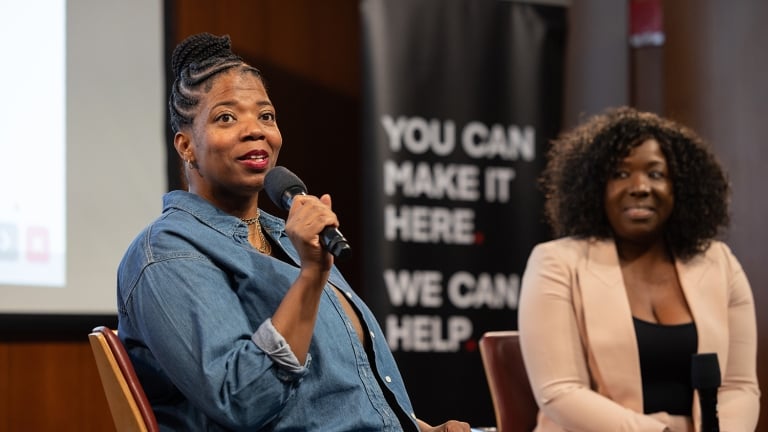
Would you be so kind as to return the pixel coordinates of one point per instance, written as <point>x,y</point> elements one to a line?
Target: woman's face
<point>234,139</point>
<point>638,195</point>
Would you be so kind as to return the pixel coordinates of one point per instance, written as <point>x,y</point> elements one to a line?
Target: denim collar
<point>217,219</point>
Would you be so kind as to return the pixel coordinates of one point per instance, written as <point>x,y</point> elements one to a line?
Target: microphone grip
<point>708,402</point>
<point>705,378</point>
<point>335,243</point>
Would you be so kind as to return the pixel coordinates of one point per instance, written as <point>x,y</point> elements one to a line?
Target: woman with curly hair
<point>236,319</point>
<point>612,311</point>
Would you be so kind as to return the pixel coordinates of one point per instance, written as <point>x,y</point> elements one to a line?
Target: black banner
<point>461,98</point>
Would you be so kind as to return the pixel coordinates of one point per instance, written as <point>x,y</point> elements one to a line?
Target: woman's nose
<point>640,185</point>
<point>253,130</point>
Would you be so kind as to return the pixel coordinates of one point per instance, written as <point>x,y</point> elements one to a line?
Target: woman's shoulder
<point>567,252</point>
<point>718,253</point>
<point>187,226</point>
<point>571,245</point>
<point>717,247</point>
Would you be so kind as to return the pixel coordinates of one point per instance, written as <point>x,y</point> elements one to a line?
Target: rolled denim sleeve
<point>189,319</point>
<point>274,344</point>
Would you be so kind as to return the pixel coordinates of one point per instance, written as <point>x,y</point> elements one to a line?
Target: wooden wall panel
<point>51,386</point>
<point>715,73</point>
<point>5,390</point>
<point>597,70</point>
<point>317,41</point>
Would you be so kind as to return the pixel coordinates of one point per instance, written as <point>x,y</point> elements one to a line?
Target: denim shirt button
<point>413,414</point>
<point>373,335</point>
<point>388,379</point>
<point>349,294</point>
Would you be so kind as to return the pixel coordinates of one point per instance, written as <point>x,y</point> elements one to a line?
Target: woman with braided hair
<point>612,312</point>
<point>236,319</point>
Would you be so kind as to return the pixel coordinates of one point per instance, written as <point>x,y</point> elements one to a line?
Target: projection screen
<point>82,154</point>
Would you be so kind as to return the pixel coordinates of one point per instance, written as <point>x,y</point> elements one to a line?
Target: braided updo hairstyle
<point>195,61</point>
<point>580,163</point>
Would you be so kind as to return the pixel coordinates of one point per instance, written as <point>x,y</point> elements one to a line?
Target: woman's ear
<point>183,147</point>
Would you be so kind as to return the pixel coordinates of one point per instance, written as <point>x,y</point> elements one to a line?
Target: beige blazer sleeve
<point>579,343</point>
<point>734,339</point>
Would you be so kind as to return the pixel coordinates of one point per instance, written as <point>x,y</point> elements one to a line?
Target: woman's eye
<point>268,116</point>
<point>656,175</point>
<point>226,118</point>
<point>620,174</point>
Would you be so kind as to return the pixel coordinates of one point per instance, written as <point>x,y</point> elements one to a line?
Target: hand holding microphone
<point>283,186</point>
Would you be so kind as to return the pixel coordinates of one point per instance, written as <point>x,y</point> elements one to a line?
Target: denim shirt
<point>195,301</point>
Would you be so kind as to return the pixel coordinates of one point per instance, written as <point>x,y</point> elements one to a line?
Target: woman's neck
<point>632,251</point>
<point>243,207</point>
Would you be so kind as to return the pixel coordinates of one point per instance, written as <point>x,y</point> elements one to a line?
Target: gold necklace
<point>264,246</point>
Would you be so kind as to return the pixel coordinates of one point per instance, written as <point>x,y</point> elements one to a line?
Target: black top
<point>665,365</point>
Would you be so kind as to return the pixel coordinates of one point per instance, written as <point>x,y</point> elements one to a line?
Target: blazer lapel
<point>705,289</point>
<point>608,325</point>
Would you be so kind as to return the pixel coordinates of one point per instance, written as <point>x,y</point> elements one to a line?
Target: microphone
<point>282,186</point>
<point>705,377</point>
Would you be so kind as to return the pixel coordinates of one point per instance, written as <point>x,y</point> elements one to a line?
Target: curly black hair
<point>195,61</point>
<point>581,161</point>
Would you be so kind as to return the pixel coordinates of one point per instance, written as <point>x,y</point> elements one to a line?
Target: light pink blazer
<point>579,346</point>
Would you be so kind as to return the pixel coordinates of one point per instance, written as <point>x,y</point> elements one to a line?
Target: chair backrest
<point>128,404</point>
<point>513,401</point>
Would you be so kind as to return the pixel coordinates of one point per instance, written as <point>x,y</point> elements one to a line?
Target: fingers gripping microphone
<point>282,186</point>
<point>705,377</point>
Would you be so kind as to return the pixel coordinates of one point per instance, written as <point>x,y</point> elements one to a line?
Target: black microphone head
<point>705,371</point>
<point>281,185</point>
